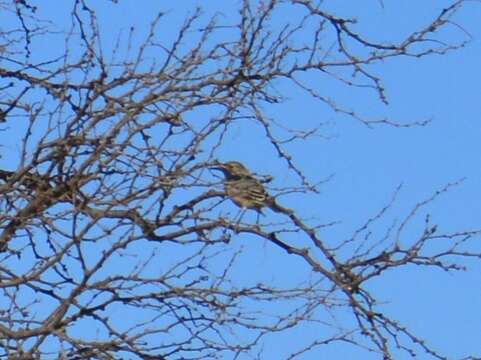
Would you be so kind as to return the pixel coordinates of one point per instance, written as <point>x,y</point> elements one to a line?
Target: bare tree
<point>118,240</point>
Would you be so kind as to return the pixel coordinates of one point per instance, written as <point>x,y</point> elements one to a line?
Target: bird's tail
<point>274,206</point>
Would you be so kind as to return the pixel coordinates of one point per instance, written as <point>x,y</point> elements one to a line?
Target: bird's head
<point>232,169</point>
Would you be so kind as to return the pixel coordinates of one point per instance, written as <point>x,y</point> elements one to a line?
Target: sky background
<point>368,164</point>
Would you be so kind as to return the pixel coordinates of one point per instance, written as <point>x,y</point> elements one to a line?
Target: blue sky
<point>367,164</point>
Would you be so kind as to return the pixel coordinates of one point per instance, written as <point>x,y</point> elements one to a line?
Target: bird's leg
<point>238,219</point>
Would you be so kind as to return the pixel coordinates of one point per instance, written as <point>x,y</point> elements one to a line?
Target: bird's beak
<point>217,166</point>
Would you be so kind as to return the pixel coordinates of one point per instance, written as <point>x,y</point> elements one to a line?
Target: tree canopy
<point>119,240</point>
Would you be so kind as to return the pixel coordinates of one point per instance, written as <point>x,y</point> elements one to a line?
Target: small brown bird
<point>244,189</point>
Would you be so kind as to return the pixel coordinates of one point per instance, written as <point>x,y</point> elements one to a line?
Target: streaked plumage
<point>244,189</point>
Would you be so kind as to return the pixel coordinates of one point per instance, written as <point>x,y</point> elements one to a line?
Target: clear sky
<point>367,164</point>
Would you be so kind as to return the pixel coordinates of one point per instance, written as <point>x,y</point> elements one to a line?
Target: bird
<point>244,189</point>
